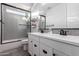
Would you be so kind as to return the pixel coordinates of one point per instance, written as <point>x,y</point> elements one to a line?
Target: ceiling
<point>42,7</point>
<point>46,6</point>
<point>26,6</point>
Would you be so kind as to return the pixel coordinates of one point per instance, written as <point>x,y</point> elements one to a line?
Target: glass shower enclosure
<point>15,23</point>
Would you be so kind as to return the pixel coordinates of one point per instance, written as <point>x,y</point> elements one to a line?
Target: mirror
<point>56,16</point>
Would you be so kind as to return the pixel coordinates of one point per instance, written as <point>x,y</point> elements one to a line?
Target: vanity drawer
<point>75,50</point>
<point>47,41</point>
<point>36,48</point>
<point>35,53</point>
<point>58,53</point>
<point>35,38</point>
<point>45,50</point>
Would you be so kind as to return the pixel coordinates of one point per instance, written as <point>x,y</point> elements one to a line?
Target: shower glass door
<point>15,23</point>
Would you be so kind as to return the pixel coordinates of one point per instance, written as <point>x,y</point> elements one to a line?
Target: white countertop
<point>74,40</point>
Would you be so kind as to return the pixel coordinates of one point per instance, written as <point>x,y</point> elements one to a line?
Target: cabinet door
<point>56,17</point>
<point>66,48</point>
<point>73,15</point>
<point>63,47</point>
<point>58,53</point>
<point>75,50</point>
<point>45,50</point>
<point>35,48</point>
<point>30,45</point>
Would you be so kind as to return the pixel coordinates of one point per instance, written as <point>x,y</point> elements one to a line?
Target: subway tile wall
<point>70,32</point>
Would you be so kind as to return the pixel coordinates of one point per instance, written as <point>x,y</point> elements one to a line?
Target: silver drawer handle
<point>54,54</point>
<point>35,45</point>
<point>44,51</point>
<point>2,22</point>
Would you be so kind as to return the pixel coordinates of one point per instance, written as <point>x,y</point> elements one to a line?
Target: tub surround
<point>11,45</point>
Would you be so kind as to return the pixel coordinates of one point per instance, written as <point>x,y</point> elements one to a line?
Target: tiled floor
<point>15,52</point>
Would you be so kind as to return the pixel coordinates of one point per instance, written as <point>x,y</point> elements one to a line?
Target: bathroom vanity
<point>43,44</point>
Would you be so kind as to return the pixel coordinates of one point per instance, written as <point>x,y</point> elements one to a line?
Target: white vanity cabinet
<point>33,45</point>
<point>40,45</point>
<point>75,50</point>
<point>35,48</point>
<point>58,53</point>
<point>62,47</point>
<point>45,50</point>
<point>57,48</point>
<point>30,44</point>
<point>73,15</point>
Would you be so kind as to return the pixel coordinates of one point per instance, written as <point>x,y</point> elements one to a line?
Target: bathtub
<point>11,44</point>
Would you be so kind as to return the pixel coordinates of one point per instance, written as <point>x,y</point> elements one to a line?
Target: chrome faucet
<point>63,32</point>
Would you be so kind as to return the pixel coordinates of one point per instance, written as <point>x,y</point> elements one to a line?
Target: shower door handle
<point>2,22</point>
